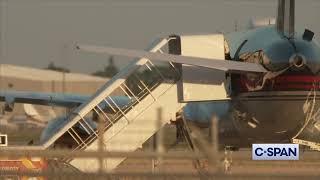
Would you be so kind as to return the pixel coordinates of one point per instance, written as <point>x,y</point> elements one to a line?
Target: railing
<point>113,101</point>
<point>119,111</point>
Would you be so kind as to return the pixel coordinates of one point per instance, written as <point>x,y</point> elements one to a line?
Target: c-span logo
<point>275,151</point>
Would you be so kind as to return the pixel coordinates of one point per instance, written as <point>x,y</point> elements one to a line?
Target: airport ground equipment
<point>130,125</point>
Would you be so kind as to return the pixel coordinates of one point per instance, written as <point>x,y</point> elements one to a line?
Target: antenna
<point>236,25</point>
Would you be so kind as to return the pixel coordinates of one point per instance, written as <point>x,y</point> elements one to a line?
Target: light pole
<point>3,30</point>
<point>64,58</point>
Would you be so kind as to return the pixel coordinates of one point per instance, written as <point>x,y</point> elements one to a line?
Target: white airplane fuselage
<point>261,119</point>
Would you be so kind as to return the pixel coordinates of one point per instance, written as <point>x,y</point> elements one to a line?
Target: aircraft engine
<point>298,60</point>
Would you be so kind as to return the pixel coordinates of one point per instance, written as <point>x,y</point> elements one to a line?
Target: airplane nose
<point>297,60</point>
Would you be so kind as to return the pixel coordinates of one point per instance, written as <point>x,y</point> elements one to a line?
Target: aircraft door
<point>198,83</point>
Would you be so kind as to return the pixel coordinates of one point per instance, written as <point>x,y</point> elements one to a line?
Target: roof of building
<point>21,72</point>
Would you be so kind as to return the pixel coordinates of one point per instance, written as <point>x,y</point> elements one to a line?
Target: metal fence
<point>203,161</point>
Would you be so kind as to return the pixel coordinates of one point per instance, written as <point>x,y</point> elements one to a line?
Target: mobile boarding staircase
<point>130,125</point>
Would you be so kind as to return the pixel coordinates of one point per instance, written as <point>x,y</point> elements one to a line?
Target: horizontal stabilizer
<point>224,65</point>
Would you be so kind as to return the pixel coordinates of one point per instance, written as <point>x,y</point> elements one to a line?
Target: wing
<point>49,99</point>
<point>53,99</point>
<point>219,64</point>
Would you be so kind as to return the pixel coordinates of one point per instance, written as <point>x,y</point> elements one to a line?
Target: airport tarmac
<point>240,165</point>
<point>230,163</point>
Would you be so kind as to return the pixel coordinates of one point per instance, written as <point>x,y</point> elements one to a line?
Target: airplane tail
<point>286,17</point>
<point>33,113</point>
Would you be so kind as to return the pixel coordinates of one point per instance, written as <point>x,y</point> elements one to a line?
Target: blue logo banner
<point>275,151</point>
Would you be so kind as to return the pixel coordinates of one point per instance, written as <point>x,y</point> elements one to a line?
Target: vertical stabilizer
<point>286,17</point>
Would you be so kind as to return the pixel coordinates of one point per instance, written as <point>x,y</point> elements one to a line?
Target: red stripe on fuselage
<point>298,79</point>
<point>283,83</point>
